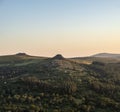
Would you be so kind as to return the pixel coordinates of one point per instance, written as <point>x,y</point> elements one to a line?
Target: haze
<point>68,27</point>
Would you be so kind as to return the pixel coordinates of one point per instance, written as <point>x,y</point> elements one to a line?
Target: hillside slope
<point>59,85</point>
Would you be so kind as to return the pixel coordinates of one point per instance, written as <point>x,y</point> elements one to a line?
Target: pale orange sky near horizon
<point>72,28</point>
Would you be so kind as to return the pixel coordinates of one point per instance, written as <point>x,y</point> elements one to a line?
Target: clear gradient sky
<point>68,27</point>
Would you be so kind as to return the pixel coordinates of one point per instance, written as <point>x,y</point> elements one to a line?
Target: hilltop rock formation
<point>21,54</point>
<point>59,57</point>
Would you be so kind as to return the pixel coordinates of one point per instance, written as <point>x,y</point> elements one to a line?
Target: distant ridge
<point>106,55</point>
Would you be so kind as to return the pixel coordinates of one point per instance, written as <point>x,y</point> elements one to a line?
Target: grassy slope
<point>89,60</point>
<point>19,60</point>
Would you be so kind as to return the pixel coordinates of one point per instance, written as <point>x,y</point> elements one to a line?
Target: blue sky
<point>69,27</point>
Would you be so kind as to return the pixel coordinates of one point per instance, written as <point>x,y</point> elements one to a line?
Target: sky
<point>67,27</point>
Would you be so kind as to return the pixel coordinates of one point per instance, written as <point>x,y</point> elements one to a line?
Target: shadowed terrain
<point>59,84</point>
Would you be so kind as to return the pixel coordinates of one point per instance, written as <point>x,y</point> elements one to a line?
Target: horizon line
<point>58,53</point>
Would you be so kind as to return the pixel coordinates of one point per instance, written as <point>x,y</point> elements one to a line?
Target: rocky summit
<point>59,57</point>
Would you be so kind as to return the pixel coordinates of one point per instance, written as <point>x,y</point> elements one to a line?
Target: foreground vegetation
<point>58,85</point>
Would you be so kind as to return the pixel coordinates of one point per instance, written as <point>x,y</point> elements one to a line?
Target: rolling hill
<point>59,84</point>
<point>107,55</point>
